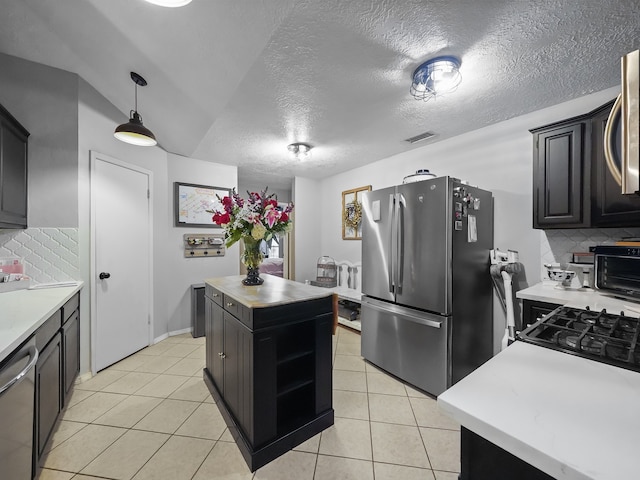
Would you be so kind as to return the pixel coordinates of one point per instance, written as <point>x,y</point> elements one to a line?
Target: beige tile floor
<point>150,417</point>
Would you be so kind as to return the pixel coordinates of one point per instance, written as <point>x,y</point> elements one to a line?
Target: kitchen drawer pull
<point>222,355</point>
<point>33,353</point>
<point>229,304</point>
<point>215,295</point>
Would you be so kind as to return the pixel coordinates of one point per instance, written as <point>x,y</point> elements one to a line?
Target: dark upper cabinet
<point>609,208</point>
<point>13,172</point>
<point>561,175</point>
<point>572,185</point>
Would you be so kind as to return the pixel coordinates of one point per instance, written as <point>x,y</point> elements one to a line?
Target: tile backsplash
<point>49,254</point>
<point>558,245</point>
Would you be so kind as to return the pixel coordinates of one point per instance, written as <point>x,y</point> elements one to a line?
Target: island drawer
<point>213,293</point>
<point>237,309</point>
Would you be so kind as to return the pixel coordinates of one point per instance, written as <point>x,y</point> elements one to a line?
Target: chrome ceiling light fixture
<point>436,77</point>
<point>170,3</point>
<point>300,151</point>
<point>134,132</point>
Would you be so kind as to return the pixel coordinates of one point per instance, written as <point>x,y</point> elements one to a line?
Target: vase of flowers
<point>254,219</point>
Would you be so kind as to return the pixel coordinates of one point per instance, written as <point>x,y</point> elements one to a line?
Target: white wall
<point>306,227</point>
<point>44,101</point>
<point>97,119</point>
<point>283,195</point>
<point>184,272</point>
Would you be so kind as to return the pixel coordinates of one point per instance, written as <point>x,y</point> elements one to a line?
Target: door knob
<point>104,275</point>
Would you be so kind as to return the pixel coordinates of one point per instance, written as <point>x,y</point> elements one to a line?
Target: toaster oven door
<point>619,275</point>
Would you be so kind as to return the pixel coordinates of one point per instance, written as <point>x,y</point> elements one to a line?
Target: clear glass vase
<point>252,258</point>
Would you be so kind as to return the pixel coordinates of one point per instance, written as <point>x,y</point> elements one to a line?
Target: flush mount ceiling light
<point>169,3</point>
<point>435,77</point>
<point>133,131</point>
<point>300,150</point>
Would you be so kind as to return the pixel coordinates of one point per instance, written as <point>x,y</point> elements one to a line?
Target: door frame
<point>95,157</point>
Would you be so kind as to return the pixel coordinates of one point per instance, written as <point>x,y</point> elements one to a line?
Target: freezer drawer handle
<point>409,316</point>
<point>33,353</point>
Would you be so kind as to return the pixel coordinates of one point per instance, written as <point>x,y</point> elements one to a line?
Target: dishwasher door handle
<point>33,353</point>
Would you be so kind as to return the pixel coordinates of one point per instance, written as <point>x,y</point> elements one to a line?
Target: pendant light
<point>134,132</point>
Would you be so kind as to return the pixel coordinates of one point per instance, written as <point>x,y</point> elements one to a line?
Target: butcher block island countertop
<point>274,291</point>
<point>268,362</point>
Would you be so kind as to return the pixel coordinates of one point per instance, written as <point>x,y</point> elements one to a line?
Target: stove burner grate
<point>601,336</point>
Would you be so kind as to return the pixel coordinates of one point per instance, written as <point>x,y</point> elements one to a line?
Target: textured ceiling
<point>236,81</point>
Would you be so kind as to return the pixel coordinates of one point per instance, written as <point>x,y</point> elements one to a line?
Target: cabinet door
<point>71,352</point>
<point>238,371</point>
<point>218,349</point>
<point>13,172</point>
<point>609,207</point>
<point>48,392</point>
<point>561,177</point>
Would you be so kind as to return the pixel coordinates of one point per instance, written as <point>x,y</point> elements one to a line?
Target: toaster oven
<point>617,270</point>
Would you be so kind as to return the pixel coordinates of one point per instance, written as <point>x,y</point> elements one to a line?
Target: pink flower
<point>272,216</point>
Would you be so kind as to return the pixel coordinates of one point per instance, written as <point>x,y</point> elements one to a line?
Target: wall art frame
<point>352,213</point>
<point>191,202</point>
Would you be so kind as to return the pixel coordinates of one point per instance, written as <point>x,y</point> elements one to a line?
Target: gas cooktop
<point>601,336</point>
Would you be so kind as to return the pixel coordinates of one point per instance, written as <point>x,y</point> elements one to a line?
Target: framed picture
<point>352,213</point>
<point>192,201</point>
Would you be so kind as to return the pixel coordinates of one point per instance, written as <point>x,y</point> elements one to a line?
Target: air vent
<point>421,137</point>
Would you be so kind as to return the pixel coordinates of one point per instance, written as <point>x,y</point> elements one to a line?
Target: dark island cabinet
<point>269,370</point>
<point>572,185</point>
<point>13,172</point>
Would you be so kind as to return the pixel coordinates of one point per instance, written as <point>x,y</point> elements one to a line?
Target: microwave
<point>617,270</point>
<point>622,131</point>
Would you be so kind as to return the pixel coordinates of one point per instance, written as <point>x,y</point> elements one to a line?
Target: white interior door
<point>121,260</point>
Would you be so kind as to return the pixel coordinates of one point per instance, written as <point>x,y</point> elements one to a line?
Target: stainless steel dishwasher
<point>17,391</point>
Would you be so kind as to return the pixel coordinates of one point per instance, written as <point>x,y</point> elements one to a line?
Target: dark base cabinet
<point>48,391</point>
<point>58,341</point>
<point>272,383</point>
<point>532,311</point>
<point>483,460</point>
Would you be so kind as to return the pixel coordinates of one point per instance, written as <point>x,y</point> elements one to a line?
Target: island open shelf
<point>268,362</point>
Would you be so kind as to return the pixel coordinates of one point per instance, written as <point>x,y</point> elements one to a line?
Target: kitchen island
<point>547,414</point>
<point>268,362</point>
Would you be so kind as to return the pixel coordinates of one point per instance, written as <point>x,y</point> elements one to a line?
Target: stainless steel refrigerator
<point>427,308</point>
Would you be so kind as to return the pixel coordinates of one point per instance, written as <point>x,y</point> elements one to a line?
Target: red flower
<point>221,218</point>
<point>272,202</point>
<point>284,217</point>
<point>227,203</point>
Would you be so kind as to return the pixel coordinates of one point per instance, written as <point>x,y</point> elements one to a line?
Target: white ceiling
<point>235,81</point>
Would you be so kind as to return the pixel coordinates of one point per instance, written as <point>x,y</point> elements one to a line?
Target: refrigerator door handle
<point>405,313</point>
<point>390,256</point>
<point>402,204</point>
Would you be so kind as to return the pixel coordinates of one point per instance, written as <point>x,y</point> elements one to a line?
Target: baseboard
<point>164,336</point>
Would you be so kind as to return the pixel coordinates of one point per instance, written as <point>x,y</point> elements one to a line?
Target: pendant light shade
<point>134,132</point>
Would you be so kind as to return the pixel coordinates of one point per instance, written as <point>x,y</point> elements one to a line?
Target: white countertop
<point>573,418</point>
<point>23,311</point>
<point>274,291</point>
<point>578,298</point>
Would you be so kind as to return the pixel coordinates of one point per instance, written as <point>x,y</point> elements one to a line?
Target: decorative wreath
<point>352,214</point>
